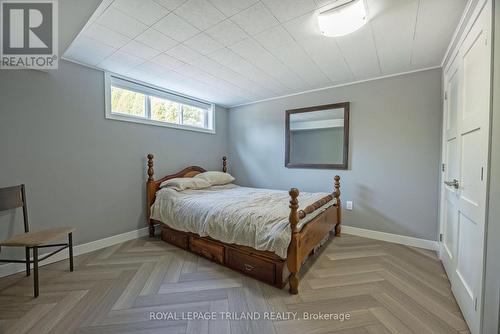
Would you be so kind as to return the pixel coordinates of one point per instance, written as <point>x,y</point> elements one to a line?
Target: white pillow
<point>183,183</point>
<point>215,178</point>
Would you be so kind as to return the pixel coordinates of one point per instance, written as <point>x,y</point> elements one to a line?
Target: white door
<point>465,157</point>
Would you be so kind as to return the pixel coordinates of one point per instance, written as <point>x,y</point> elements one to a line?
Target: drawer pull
<point>207,254</point>
<point>249,267</point>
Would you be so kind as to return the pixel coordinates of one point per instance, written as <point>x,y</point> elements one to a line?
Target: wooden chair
<point>15,197</point>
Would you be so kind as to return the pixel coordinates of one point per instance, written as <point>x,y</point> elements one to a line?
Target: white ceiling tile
<point>253,52</point>
<point>323,50</point>
<point>170,4</point>
<point>175,27</point>
<point>255,19</point>
<point>203,43</point>
<point>249,87</point>
<point>146,11</point>
<point>275,39</point>
<point>137,74</point>
<point>217,70</point>
<point>436,23</point>
<point>393,27</point>
<point>156,40</point>
<point>200,13</point>
<point>231,7</point>
<point>100,10</point>
<point>252,56</point>
<point>120,22</point>
<point>88,51</point>
<point>183,53</point>
<point>360,53</point>
<point>192,87</point>
<point>125,59</point>
<point>182,84</point>
<point>212,67</point>
<point>152,68</point>
<point>106,36</point>
<point>289,9</point>
<point>115,67</point>
<point>233,61</point>
<point>120,62</point>
<point>281,45</point>
<point>167,61</point>
<point>140,50</point>
<point>227,33</point>
<point>198,74</point>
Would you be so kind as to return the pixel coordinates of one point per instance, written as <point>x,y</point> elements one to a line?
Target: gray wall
<point>395,127</point>
<point>491,314</point>
<point>81,169</point>
<point>318,146</point>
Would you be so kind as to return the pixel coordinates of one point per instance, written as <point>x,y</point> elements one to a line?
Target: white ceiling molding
<point>236,52</point>
<point>336,86</point>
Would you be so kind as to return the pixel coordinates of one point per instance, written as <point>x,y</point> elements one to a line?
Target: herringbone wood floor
<point>386,288</point>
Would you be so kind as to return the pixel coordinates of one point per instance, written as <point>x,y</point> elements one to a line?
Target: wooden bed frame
<point>262,265</point>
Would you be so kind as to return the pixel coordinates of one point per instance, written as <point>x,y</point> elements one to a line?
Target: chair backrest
<point>13,198</point>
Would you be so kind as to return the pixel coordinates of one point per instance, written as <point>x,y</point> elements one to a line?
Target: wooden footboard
<point>264,266</point>
<point>303,242</point>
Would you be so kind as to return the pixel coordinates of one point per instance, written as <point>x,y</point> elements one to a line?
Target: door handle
<point>453,183</point>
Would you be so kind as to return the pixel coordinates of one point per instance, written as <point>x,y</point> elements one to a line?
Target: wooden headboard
<point>154,185</point>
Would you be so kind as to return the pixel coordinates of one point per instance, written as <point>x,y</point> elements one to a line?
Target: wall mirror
<point>318,137</point>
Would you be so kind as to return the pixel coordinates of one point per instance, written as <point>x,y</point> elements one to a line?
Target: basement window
<point>132,101</point>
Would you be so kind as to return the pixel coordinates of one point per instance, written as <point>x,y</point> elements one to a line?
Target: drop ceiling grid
<point>233,90</point>
<point>333,64</point>
<point>307,52</point>
<point>281,24</point>
<point>430,21</point>
<point>251,36</point>
<point>244,78</point>
<point>119,51</point>
<point>187,61</point>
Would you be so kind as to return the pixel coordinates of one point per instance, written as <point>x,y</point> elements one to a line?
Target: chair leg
<point>70,248</point>
<point>27,261</point>
<point>35,270</point>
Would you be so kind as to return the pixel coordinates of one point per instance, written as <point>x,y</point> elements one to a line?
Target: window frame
<point>154,91</point>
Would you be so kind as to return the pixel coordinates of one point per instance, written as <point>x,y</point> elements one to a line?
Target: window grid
<point>204,122</point>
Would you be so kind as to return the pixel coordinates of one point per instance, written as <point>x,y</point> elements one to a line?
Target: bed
<point>261,233</point>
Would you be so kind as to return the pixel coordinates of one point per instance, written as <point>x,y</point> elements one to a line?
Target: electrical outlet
<point>348,205</point>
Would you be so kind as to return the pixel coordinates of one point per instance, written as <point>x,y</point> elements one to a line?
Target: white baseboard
<point>13,268</point>
<point>389,237</point>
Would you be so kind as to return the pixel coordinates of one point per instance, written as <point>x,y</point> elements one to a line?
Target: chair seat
<point>37,238</point>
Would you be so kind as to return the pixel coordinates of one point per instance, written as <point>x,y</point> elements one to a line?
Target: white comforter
<point>237,215</point>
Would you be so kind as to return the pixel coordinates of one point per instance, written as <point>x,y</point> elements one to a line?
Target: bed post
<point>293,257</point>
<point>336,184</point>
<point>224,164</point>
<point>150,192</point>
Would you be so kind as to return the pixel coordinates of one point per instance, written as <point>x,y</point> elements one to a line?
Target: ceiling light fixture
<point>344,19</point>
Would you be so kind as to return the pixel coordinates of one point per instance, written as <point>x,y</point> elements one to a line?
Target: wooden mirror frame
<point>345,162</point>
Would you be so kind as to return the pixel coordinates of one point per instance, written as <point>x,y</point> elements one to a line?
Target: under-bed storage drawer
<point>208,249</point>
<point>174,237</point>
<point>251,265</point>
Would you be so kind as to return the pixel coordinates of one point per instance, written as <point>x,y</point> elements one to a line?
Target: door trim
<point>465,29</point>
